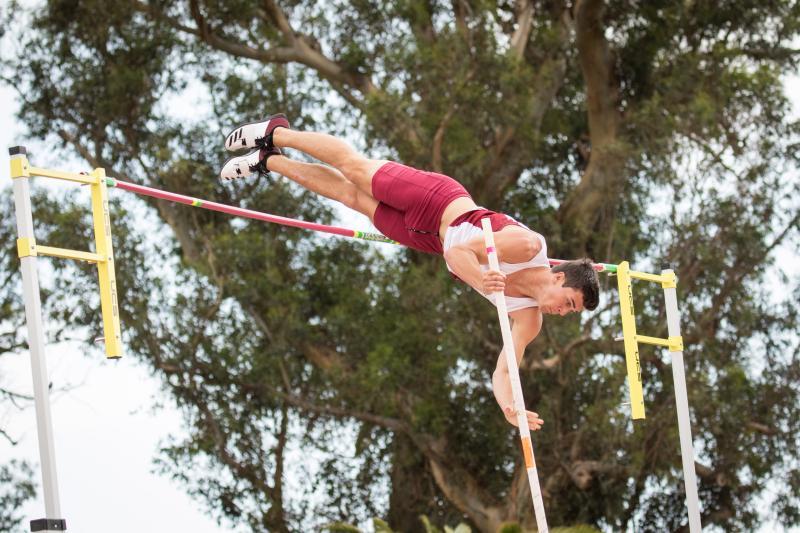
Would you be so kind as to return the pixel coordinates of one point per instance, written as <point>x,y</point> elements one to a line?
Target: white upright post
<point>33,314</point>
<point>516,386</point>
<point>682,404</point>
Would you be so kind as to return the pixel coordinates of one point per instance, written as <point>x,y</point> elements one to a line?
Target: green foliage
<point>376,363</point>
<point>16,488</point>
<point>576,529</point>
<point>341,528</point>
<point>381,526</point>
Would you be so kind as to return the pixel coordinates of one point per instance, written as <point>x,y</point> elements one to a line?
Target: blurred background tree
<point>16,487</point>
<point>648,131</point>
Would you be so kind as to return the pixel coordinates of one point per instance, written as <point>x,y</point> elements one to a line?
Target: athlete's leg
<point>333,151</point>
<point>326,181</point>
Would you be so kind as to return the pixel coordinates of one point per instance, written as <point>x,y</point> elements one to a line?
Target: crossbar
<point>63,253</point>
<point>657,341</point>
<point>275,219</point>
<point>656,278</point>
<point>61,175</point>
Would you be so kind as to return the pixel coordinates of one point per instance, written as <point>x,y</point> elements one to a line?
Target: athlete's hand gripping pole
<point>516,386</point>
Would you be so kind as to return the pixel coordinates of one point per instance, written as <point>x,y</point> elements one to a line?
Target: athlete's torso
<point>467,227</point>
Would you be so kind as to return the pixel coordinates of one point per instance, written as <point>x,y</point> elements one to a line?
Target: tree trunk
<point>412,487</point>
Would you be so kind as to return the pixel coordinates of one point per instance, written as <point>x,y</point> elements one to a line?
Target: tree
<point>647,131</point>
<point>16,489</point>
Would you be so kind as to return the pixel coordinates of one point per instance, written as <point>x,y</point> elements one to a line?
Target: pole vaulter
<point>29,249</point>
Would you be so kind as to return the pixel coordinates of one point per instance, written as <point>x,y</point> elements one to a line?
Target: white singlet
<point>468,227</point>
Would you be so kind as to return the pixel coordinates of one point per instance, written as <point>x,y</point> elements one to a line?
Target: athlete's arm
<point>513,244</point>
<point>525,327</point>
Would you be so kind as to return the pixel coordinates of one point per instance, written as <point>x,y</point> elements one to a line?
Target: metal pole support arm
<point>36,340</point>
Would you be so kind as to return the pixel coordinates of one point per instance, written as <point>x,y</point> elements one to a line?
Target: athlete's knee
<point>358,200</point>
<point>348,195</point>
<point>354,165</point>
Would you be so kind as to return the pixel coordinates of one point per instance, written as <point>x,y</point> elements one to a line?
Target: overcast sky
<point>106,428</point>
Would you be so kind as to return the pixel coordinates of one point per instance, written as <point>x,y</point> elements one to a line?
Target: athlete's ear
<point>559,277</point>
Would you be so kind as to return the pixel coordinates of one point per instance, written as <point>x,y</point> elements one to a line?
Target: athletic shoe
<point>244,165</point>
<point>255,134</point>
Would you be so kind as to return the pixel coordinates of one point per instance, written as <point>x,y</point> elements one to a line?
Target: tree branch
<point>461,11</point>
<point>392,424</point>
<point>597,63</point>
<point>710,316</point>
<point>464,492</point>
<point>455,481</point>
<point>763,429</point>
<point>587,211</point>
<point>13,396</point>
<point>777,53</point>
<point>8,437</point>
<point>583,472</point>
<point>507,158</point>
<point>438,138</point>
<point>277,510</point>
<point>522,33</point>
<point>304,52</point>
<point>204,32</point>
<point>278,17</point>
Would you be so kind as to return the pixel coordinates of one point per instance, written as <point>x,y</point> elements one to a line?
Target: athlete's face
<point>556,299</point>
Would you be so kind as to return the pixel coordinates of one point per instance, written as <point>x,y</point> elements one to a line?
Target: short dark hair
<point>580,274</point>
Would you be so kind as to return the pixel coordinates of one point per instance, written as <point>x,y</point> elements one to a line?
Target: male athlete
<point>431,213</point>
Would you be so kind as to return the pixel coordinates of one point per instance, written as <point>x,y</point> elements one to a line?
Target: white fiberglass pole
<point>516,386</point>
<point>682,404</point>
<point>33,315</point>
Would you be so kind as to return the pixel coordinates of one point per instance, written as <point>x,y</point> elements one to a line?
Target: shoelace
<point>260,167</point>
<point>264,142</point>
<point>263,154</point>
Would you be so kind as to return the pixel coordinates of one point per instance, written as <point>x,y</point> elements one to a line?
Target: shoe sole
<point>231,159</point>
<point>239,127</point>
<point>225,164</point>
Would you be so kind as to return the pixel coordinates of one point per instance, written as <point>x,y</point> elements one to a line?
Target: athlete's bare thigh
<point>361,171</point>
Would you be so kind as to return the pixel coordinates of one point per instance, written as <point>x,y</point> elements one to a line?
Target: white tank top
<point>471,229</point>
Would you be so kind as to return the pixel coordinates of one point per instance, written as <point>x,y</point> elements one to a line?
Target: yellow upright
<point>105,268</point>
<point>631,345</point>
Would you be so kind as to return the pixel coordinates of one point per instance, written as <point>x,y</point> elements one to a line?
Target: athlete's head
<point>574,287</point>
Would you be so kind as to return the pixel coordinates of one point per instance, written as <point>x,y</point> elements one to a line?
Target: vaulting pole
<point>516,386</point>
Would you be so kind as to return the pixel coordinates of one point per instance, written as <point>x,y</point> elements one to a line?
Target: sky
<point>107,428</point>
<point>110,416</point>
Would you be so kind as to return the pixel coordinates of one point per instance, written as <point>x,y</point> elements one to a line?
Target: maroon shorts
<point>412,203</point>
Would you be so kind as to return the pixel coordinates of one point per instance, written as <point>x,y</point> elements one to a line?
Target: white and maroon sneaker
<point>255,134</point>
<point>243,166</point>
